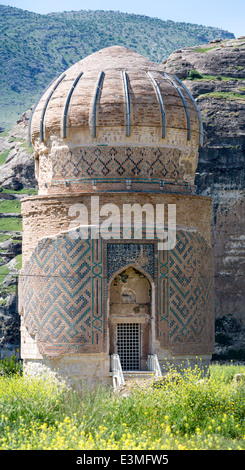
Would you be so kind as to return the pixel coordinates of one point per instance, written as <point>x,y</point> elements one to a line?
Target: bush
<point>10,366</point>
<point>30,399</point>
<point>194,75</point>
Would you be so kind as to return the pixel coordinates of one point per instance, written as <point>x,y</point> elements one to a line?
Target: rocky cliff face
<point>215,75</point>
<point>16,180</point>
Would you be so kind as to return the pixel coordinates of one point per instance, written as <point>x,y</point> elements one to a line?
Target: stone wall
<point>64,281</point>
<point>50,215</point>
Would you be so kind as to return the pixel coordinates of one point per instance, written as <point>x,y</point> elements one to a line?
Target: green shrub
<point>194,74</point>
<point>10,366</point>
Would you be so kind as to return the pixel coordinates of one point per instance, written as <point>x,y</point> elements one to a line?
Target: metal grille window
<point>128,345</point>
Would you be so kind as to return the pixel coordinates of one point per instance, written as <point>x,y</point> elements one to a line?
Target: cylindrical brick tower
<point>115,133</point>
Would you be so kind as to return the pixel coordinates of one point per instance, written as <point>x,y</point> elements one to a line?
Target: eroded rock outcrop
<point>16,180</point>
<point>215,75</point>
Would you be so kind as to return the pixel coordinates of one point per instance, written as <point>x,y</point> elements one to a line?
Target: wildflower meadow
<point>183,411</point>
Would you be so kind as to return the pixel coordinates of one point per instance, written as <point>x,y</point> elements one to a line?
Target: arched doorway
<point>130,318</point>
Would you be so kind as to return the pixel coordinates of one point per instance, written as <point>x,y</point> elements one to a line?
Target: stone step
<point>138,374</point>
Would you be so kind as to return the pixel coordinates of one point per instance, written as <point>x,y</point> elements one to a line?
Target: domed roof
<point>119,95</point>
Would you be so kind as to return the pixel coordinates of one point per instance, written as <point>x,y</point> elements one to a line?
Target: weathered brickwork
<point>63,283</point>
<point>117,162</point>
<point>146,119</point>
<point>49,215</point>
<point>114,129</point>
<point>109,167</point>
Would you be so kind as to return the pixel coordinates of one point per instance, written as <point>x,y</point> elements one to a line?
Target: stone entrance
<point>130,318</point>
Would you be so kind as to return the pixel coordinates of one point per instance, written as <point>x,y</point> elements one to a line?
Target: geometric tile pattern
<point>187,291</point>
<point>61,291</point>
<point>185,302</point>
<point>141,255</point>
<point>118,162</point>
<point>61,286</point>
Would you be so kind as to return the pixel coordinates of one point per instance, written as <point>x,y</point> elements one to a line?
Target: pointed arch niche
<point>131,317</point>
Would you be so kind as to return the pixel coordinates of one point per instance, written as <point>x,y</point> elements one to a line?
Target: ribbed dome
<point>117,92</point>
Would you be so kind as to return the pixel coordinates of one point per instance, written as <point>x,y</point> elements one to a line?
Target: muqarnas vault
<point>114,125</point>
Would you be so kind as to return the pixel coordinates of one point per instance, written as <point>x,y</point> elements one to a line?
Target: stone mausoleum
<point>114,129</point>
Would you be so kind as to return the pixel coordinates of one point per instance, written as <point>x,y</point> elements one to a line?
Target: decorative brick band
<point>117,162</point>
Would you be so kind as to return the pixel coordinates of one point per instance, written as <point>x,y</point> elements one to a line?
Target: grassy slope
<point>34,48</point>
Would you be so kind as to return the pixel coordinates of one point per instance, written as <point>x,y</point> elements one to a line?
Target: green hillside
<point>36,48</point>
